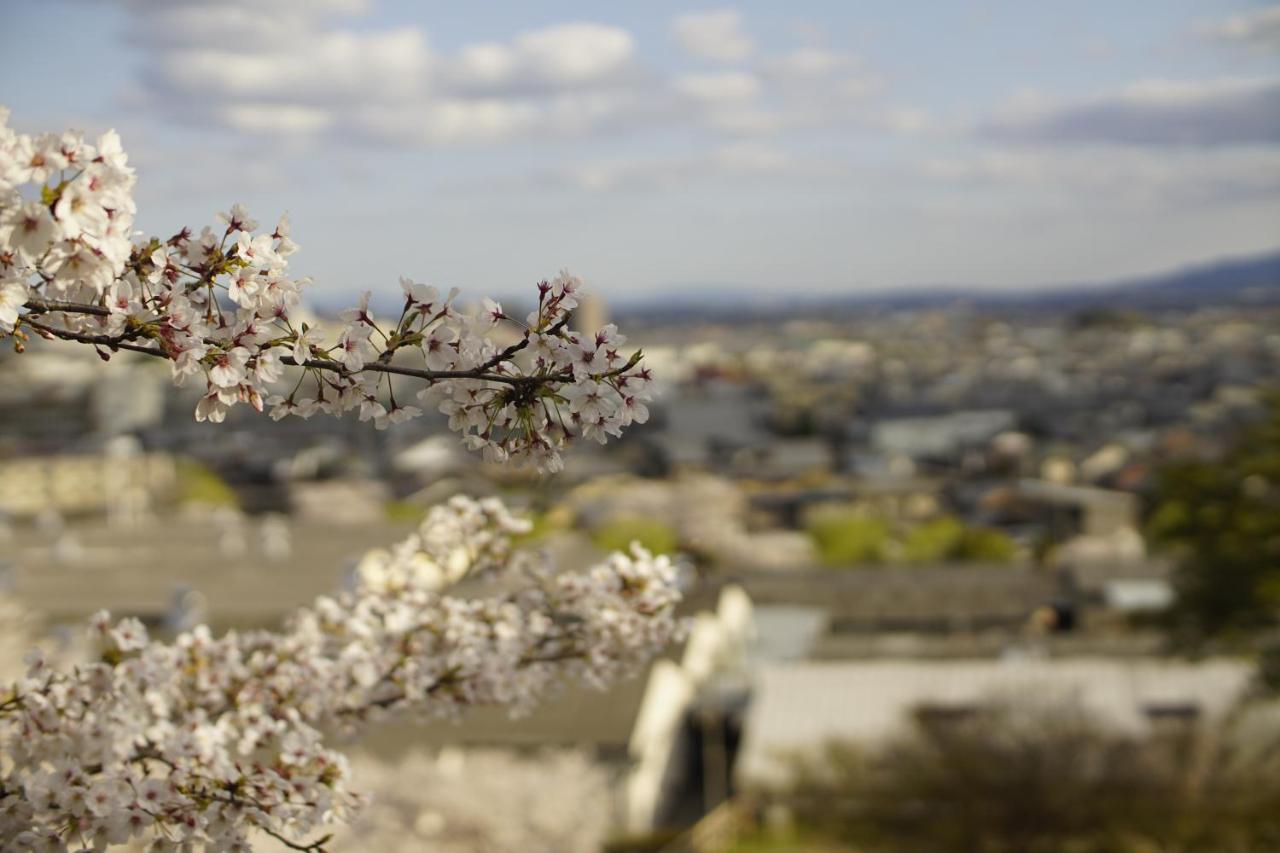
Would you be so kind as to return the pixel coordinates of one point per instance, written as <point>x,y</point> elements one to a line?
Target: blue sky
<point>665,147</point>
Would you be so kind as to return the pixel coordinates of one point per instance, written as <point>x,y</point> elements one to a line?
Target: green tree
<point>932,541</point>
<point>1222,518</point>
<point>948,539</point>
<point>1040,777</point>
<point>844,536</point>
<point>199,485</point>
<point>617,535</point>
<point>985,545</point>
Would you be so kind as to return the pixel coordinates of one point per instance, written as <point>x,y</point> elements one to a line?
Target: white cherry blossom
<point>209,739</point>
<point>206,741</point>
<point>13,295</point>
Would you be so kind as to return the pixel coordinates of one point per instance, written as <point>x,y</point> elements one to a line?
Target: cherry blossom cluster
<point>220,306</point>
<point>205,740</point>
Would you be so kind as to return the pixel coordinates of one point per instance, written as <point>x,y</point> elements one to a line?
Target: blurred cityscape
<point>890,510</point>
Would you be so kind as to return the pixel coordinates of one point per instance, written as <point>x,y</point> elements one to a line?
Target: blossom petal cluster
<point>220,306</point>
<point>205,740</point>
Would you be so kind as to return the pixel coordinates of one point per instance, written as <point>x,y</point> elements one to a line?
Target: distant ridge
<point>1239,280</point>
<point>1252,280</point>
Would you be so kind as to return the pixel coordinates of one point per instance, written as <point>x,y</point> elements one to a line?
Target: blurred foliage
<point>789,420</point>
<point>947,539</point>
<point>986,545</point>
<point>1222,518</point>
<point>403,511</point>
<point>617,534</point>
<point>656,841</point>
<point>789,841</point>
<point>678,840</point>
<point>932,540</point>
<point>1108,318</point>
<point>546,523</point>
<point>1268,677</point>
<point>847,536</point>
<point>200,486</point>
<point>1011,779</point>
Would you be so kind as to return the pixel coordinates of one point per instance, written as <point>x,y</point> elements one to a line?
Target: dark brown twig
<point>114,342</point>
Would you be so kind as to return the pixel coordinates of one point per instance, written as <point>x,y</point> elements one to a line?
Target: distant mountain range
<point>1254,280</point>
<point>1235,281</point>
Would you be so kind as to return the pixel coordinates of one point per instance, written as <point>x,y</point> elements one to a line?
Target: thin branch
<point>111,341</point>
<point>45,306</point>
<point>398,697</point>
<point>483,372</point>
<point>428,375</point>
<point>509,353</point>
<point>313,847</point>
<point>232,799</point>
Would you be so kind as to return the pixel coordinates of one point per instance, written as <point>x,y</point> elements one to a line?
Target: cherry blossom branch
<point>483,372</point>
<point>122,341</point>
<point>44,306</point>
<point>200,741</point>
<point>313,847</point>
<point>219,306</point>
<point>392,700</point>
<point>510,352</point>
<point>233,724</point>
<point>113,342</point>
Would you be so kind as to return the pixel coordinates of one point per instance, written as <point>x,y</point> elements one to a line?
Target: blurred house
<point>51,398</point>
<point>1124,587</point>
<point>940,437</point>
<point>346,501</point>
<point>592,313</point>
<point>1088,522</point>
<point>1084,510</point>
<point>431,458</point>
<point>248,571</point>
<point>935,600</point>
<point>799,707</point>
<point>891,498</point>
<point>122,484</point>
<point>715,425</point>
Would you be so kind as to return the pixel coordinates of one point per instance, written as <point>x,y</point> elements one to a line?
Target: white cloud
<point>750,158</point>
<point>328,68</point>
<point>716,35</point>
<point>806,88</point>
<point>808,63</point>
<point>576,53</point>
<point>566,55</point>
<point>283,67</point>
<point>297,70</point>
<point>1158,177</point>
<point>289,119</point>
<point>446,120</point>
<point>736,162</point>
<point>719,87</point>
<point>235,24</point>
<point>1260,29</point>
<point>906,121</point>
<point>1158,112</point>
